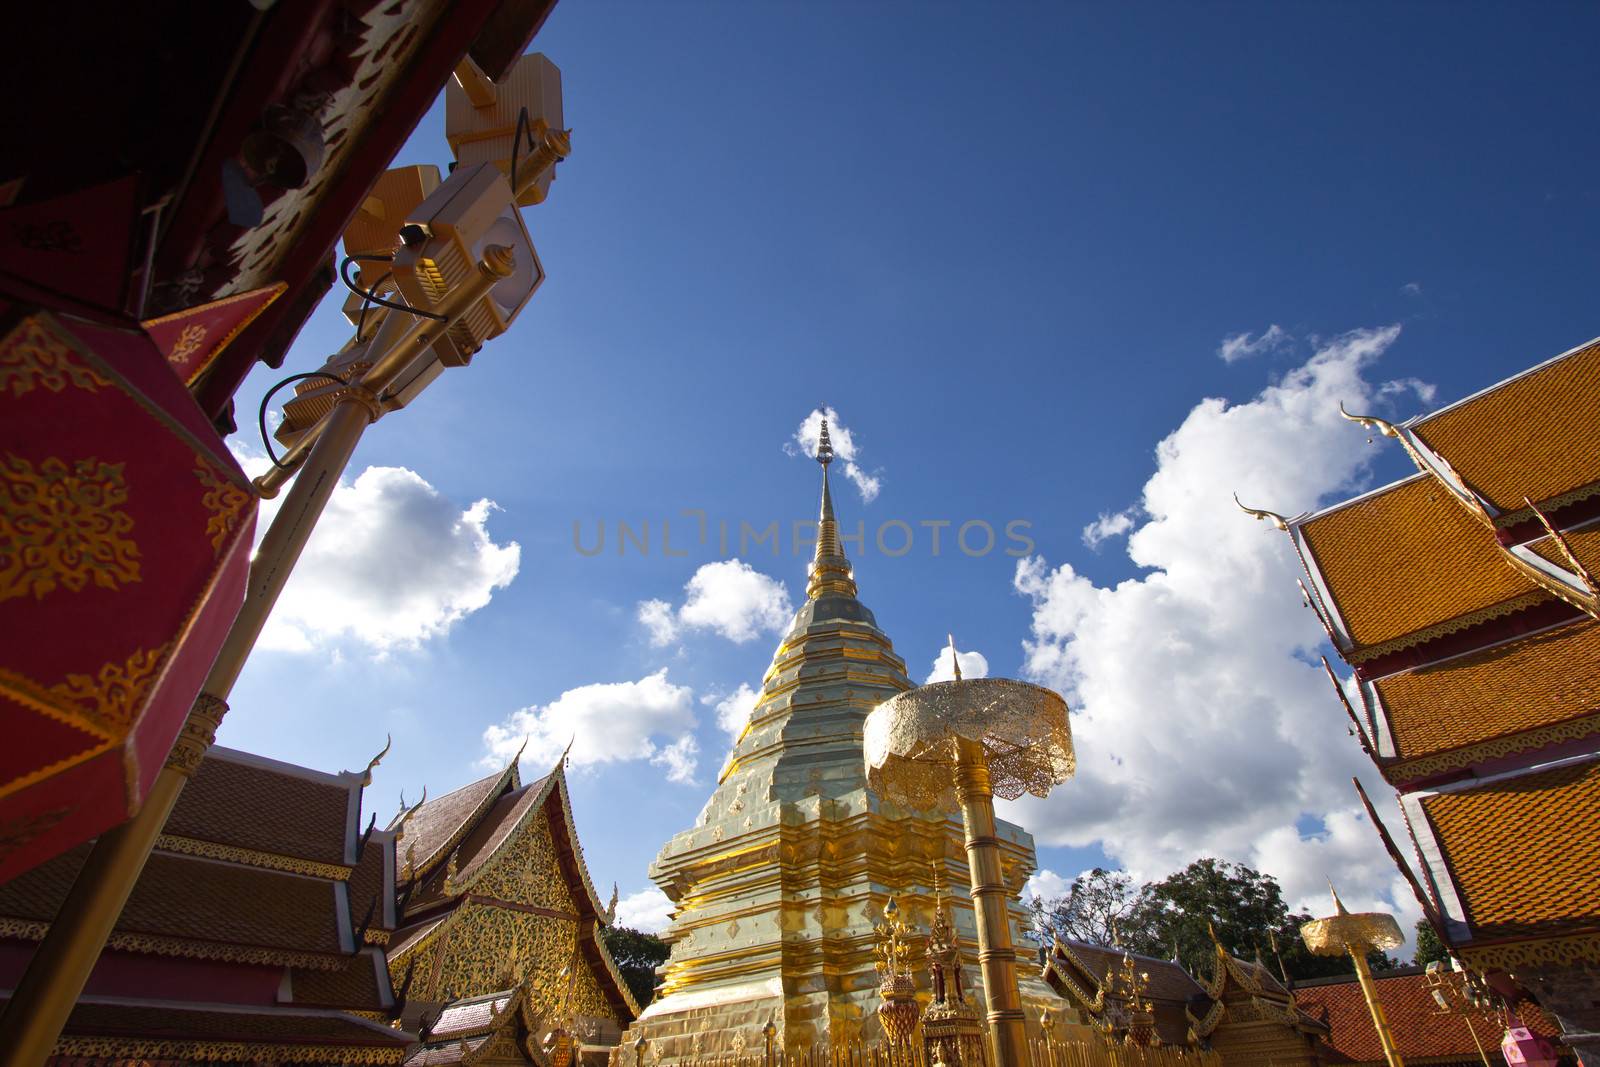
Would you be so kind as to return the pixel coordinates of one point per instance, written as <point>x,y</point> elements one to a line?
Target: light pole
<point>475,212</point>
<point>964,742</point>
<point>1358,934</point>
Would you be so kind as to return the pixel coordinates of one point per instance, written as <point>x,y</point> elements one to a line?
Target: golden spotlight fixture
<point>514,123</point>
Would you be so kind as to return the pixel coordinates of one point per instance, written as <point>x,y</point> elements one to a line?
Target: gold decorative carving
<point>225,504</point>
<point>34,357</point>
<point>132,1049</point>
<point>188,343</point>
<point>62,525</point>
<point>210,850</point>
<point>1513,957</point>
<point>27,930</point>
<point>111,698</point>
<point>1458,759</point>
<point>198,733</point>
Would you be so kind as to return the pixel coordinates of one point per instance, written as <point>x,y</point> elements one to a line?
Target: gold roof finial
<point>1271,516</point>
<point>366,775</point>
<point>830,570</point>
<point>1371,422</point>
<point>955,660</point>
<point>1338,905</point>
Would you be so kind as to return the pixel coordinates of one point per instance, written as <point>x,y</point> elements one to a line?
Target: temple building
<point>779,883</point>
<point>495,906</point>
<point>255,934</point>
<point>1464,598</point>
<point>269,927</point>
<point>1239,1010</point>
<point>1424,1032</point>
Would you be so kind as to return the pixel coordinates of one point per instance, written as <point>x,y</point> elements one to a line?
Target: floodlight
<point>375,229</point>
<point>483,120</point>
<point>440,246</point>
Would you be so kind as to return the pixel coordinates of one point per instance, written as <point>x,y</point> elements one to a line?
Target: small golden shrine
<point>1465,601</point>
<point>496,906</point>
<point>1253,1018</point>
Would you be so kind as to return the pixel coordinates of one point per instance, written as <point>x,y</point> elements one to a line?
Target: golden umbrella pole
<point>964,742</point>
<point>1358,935</point>
<point>63,961</point>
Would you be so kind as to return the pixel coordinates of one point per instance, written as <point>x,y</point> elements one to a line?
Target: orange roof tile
<point>1524,850</point>
<point>1532,435</point>
<point>1423,1032</point>
<point>1537,681</point>
<point>1406,558</point>
<point>1585,545</point>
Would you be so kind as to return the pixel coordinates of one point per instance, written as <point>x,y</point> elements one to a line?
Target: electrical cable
<point>261,415</point>
<point>344,276</point>
<point>366,302</point>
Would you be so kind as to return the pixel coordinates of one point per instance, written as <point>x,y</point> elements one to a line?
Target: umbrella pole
<point>1380,1022</point>
<point>997,959</point>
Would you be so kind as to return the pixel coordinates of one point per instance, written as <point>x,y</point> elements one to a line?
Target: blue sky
<point>1007,244</point>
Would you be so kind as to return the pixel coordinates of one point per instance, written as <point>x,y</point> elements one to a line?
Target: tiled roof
<point>1422,1031</point>
<point>1168,980</point>
<point>372,884</point>
<point>480,843</point>
<point>1532,435</point>
<point>248,802</point>
<point>159,1020</point>
<point>197,900</point>
<point>438,824</point>
<point>1585,545</point>
<point>361,984</point>
<point>1537,681</point>
<point>1524,850</point>
<point>1406,558</point>
<point>475,1016</point>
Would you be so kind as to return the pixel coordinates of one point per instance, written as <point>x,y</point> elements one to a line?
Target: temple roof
<point>225,1033</point>
<point>1423,1033</point>
<point>1406,558</point>
<point>436,826</point>
<point>1515,856</point>
<point>1077,970</point>
<point>1540,681</point>
<point>251,802</point>
<point>464,1028</point>
<point>1531,435</point>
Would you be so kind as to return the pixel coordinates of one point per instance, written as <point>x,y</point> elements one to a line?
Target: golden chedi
<point>781,882</point>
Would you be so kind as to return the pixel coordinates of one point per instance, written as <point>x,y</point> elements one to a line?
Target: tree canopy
<point>637,955</point>
<point>1174,917</point>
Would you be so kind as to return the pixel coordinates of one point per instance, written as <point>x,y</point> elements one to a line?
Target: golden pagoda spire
<point>830,570</point>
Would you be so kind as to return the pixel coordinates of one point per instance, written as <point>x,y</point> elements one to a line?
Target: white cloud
<point>1242,346</point>
<point>733,710</point>
<point>1412,288</point>
<point>1108,525</point>
<point>679,758</point>
<point>606,722</point>
<point>728,597</point>
<point>1425,391</point>
<point>809,435</point>
<point>1202,724</point>
<point>392,563</point>
<point>657,617</point>
<point>648,911</point>
<point>1046,885</point>
<point>973,665</point>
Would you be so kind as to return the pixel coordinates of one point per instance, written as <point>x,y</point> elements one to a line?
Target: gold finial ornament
<point>1270,516</point>
<point>1370,422</point>
<point>830,570</point>
<point>372,764</point>
<point>1358,934</point>
<point>899,1010</point>
<point>955,659</point>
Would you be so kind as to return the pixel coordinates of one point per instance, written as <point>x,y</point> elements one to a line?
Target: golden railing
<point>1049,1052</point>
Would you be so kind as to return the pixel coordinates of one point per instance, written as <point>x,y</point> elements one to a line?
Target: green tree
<point>1429,947</point>
<point>1096,903</point>
<point>1176,915</point>
<point>637,955</point>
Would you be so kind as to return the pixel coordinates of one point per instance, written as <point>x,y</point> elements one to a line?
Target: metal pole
<point>996,957</point>
<point>1380,1022</point>
<point>62,963</point>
